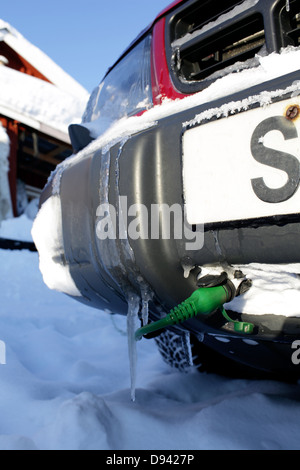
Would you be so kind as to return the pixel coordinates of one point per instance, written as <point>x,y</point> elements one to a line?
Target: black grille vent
<point>196,16</point>
<point>203,55</point>
<point>290,22</point>
<point>209,39</point>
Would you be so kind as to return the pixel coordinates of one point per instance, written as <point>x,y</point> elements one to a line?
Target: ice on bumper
<point>48,237</point>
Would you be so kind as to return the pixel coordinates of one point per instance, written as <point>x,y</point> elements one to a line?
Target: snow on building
<point>38,101</point>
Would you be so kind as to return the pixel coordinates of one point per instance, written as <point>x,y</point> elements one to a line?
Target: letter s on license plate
<point>245,166</point>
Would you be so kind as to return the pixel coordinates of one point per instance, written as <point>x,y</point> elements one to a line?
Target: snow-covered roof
<point>48,107</point>
<point>38,104</point>
<point>40,60</point>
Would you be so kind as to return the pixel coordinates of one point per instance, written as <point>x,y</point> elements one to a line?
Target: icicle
<point>187,266</point>
<point>146,297</point>
<point>132,320</point>
<point>287,5</point>
<point>217,244</point>
<point>145,311</point>
<point>186,271</point>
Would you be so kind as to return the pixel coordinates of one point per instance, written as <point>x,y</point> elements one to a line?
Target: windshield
<point>125,91</point>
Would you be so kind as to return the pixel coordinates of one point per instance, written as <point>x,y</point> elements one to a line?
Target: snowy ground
<point>66,385</point>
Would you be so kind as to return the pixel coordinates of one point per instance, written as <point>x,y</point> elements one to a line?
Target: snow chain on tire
<point>176,350</point>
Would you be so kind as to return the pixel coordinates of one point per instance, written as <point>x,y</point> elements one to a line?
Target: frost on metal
<point>262,99</point>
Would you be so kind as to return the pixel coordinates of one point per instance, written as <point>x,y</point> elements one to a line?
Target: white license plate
<point>245,166</point>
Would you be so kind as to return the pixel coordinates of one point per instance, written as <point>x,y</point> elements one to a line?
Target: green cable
<point>239,326</point>
<point>203,301</point>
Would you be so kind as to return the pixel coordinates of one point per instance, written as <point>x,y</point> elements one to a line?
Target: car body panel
<point>116,247</point>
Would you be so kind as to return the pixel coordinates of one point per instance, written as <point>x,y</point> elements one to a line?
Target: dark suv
<point>185,176</point>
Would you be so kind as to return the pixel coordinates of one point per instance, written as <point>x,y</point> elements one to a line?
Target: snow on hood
<point>41,61</point>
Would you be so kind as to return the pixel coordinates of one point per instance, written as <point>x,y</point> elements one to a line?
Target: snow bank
<point>18,228</point>
<point>65,387</point>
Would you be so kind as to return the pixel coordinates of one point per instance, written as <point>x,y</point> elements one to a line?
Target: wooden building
<point>38,101</point>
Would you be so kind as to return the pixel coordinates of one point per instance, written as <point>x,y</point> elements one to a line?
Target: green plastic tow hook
<point>203,301</point>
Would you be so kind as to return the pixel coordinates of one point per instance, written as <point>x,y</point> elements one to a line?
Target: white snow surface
<point>17,229</point>
<point>65,382</point>
<point>49,242</point>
